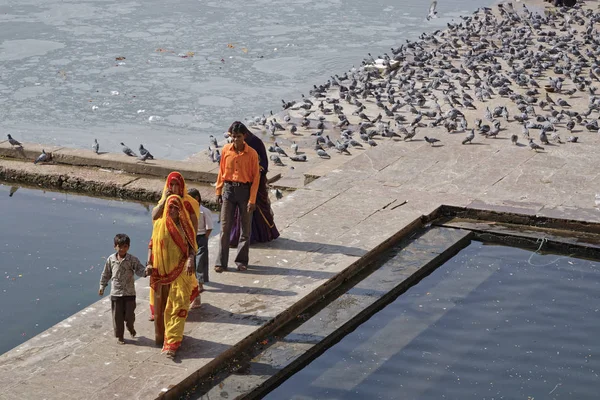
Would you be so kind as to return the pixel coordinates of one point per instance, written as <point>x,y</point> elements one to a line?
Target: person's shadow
<point>284,243</point>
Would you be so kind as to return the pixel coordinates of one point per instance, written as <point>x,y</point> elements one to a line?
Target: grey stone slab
<point>571,213</point>
<point>147,381</point>
<point>525,208</point>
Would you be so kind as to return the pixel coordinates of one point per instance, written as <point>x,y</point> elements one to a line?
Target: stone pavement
<point>327,227</point>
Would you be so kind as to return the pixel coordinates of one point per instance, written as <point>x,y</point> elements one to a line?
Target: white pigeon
<point>432,12</point>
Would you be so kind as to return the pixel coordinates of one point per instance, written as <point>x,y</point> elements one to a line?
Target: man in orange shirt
<point>237,185</point>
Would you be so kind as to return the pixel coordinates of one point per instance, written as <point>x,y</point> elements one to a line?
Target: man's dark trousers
<point>235,197</point>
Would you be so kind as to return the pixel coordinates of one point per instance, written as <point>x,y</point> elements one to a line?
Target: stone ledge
<point>197,171</point>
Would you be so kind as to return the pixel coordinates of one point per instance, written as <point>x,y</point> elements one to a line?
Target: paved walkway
<point>327,226</point>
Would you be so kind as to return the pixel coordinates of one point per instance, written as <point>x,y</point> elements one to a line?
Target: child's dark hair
<point>121,239</point>
<point>195,194</point>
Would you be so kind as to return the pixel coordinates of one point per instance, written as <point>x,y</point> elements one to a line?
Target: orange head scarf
<point>191,204</point>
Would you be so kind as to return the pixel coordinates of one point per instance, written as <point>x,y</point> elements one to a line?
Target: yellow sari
<point>191,205</point>
<point>173,289</point>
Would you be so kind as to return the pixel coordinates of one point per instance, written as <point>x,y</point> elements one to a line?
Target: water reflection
<point>493,322</point>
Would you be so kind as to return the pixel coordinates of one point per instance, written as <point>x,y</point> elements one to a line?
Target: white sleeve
<point>208,222</point>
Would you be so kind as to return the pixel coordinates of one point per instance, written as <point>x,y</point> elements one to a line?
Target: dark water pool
<point>494,322</point>
<point>52,250</point>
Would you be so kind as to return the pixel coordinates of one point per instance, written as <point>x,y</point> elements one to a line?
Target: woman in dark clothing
<point>263,225</point>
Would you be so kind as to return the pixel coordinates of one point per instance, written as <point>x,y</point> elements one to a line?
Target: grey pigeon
<point>276,160</point>
<point>301,157</point>
<point>322,153</point>
<point>96,146</point>
<point>342,148</point>
<point>42,157</point>
<point>534,146</point>
<point>128,151</point>
<point>213,141</point>
<point>431,141</point>
<point>544,137</point>
<point>144,157</point>
<point>432,12</point>
<point>469,137</point>
<point>572,139</point>
<point>217,156</point>
<point>514,139</point>
<point>13,142</point>
<point>278,194</point>
<point>294,147</point>
<point>145,153</point>
<point>280,150</point>
<point>410,135</point>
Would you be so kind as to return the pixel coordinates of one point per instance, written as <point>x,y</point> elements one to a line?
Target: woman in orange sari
<point>173,282</point>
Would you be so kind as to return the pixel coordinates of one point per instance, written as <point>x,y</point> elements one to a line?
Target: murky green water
<point>52,250</point>
<point>492,323</point>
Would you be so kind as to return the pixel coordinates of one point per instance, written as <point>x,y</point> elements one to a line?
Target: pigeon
<point>276,160</point>
<point>342,148</point>
<point>469,137</point>
<point>42,157</point>
<point>13,189</point>
<point>563,103</point>
<point>514,139</point>
<point>278,194</point>
<point>128,151</point>
<point>279,150</point>
<point>432,12</point>
<point>293,129</point>
<point>213,141</point>
<point>535,146</point>
<point>301,157</point>
<point>572,139</point>
<point>322,153</point>
<point>294,147</point>
<point>410,135</point>
<point>145,156</point>
<point>13,142</point>
<point>145,153</point>
<point>431,141</point>
<point>217,156</point>
<point>544,137</point>
<point>96,146</point>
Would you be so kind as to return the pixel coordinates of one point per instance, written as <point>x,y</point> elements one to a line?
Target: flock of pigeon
<point>47,157</point>
<point>496,70</point>
<point>483,75</point>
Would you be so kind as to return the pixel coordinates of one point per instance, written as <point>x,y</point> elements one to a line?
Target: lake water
<point>491,323</point>
<point>53,247</point>
<point>168,74</point>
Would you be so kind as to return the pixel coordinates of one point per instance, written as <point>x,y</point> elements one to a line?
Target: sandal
<point>220,269</point>
<point>196,303</point>
<point>171,354</point>
<point>151,318</point>
<point>242,267</point>
<point>201,288</point>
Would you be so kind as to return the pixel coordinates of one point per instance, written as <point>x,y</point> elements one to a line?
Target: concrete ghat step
<point>200,170</point>
<point>285,355</point>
